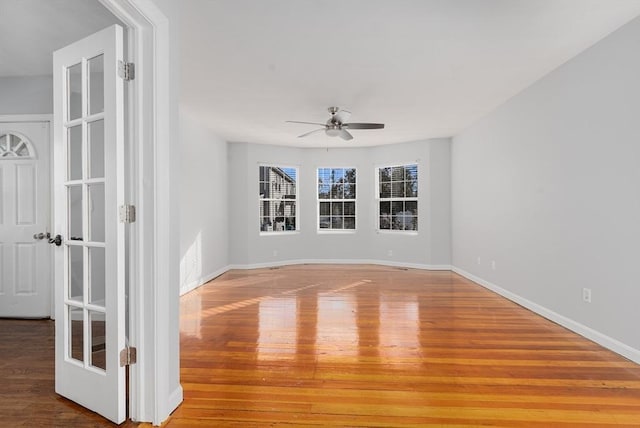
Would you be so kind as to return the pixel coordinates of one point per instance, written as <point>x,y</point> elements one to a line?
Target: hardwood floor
<point>27,394</point>
<point>369,346</point>
<point>379,346</point>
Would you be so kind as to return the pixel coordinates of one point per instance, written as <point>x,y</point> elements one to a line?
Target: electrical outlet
<point>390,253</point>
<point>493,265</point>
<point>275,253</point>
<point>478,261</point>
<point>586,295</point>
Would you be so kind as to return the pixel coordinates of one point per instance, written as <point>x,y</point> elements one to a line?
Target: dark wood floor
<point>27,395</point>
<point>353,346</point>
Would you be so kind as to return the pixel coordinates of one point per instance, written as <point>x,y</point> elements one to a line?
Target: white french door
<point>89,256</point>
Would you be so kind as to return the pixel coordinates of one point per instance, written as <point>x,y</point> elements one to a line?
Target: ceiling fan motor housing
<point>333,130</point>
<point>337,125</point>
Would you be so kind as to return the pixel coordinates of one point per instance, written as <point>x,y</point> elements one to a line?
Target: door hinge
<point>126,70</point>
<point>127,213</point>
<point>128,356</point>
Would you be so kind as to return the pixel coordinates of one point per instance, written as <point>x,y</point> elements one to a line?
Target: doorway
<point>154,273</point>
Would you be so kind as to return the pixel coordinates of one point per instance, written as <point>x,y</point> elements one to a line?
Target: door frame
<point>40,118</point>
<point>151,113</point>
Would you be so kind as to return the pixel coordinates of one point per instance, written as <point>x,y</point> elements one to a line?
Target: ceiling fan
<point>337,126</point>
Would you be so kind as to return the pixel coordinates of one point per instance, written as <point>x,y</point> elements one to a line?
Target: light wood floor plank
<point>377,346</point>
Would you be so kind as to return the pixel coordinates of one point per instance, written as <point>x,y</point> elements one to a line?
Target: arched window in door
<point>14,146</point>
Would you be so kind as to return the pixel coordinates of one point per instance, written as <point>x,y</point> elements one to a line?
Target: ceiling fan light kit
<point>337,126</point>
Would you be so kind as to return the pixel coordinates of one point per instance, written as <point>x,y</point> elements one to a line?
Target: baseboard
<point>202,280</point>
<point>175,398</point>
<point>339,262</point>
<point>587,332</point>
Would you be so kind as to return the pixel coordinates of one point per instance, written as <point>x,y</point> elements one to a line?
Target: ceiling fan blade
<point>342,116</point>
<point>344,134</point>
<point>306,123</point>
<point>363,125</point>
<point>311,132</point>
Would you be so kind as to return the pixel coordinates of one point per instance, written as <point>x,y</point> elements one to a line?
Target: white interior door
<point>25,257</point>
<point>88,188</point>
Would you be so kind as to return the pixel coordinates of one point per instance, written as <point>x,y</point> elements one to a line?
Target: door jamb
<point>155,389</point>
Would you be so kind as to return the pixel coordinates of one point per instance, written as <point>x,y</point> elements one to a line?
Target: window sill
<point>397,232</point>
<point>336,231</point>
<point>280,233</point>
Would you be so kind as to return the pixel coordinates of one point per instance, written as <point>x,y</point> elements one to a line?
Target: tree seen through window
<point>398,197</point>
<point>336,198</point>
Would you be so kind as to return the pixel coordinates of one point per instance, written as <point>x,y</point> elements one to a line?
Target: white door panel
<point>88,188</point>
<point>25,262</point>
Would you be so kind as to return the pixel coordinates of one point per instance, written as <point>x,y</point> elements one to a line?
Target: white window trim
<point>297,200</point>
<point>376,194</point>
<point>318,200</point>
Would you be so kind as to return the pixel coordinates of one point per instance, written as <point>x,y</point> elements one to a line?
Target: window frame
<point>295,201</point>
<point>379,199</point>
<point>342,200</point>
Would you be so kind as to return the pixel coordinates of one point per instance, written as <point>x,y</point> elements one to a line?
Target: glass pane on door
<point>76,273</point>
<point>96,212</point>
<point>75,203</point>
<point>74,153</point>
<point>96,276</point>
<point>97,337</point>
<point>74,92</point>
<point>96,149</point>
<point>96,84</point>
<point>76,334</point>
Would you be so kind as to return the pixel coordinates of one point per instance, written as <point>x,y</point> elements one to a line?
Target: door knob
<point>57,240</point>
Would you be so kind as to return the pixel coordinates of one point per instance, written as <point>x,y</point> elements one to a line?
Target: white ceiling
<point>426,68</point>
<point>30,30</point>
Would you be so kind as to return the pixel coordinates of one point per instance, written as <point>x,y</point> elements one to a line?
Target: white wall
<point>429,248</point>
<point>547,186</point>
<point>26,95</point>
<point>204,219</point>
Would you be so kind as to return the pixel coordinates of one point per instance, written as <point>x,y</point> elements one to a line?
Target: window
<point>398,197</point>
<point>278,187</point>
<point>336,198</point>
<point>13,146</point>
